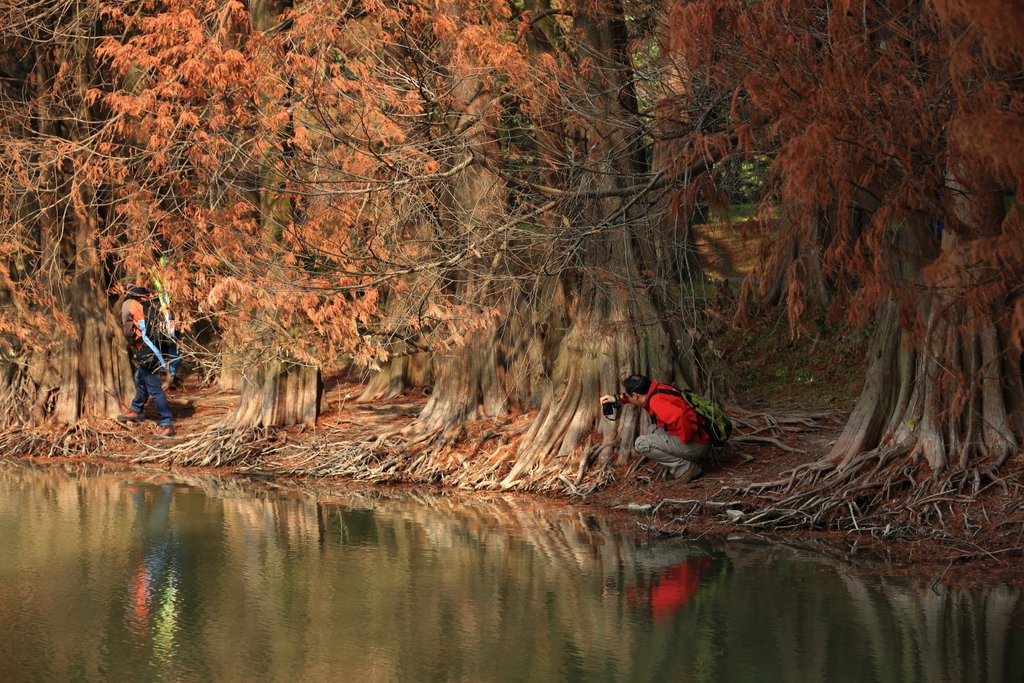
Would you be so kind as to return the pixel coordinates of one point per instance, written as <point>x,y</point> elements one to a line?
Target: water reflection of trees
<point>292,582</point>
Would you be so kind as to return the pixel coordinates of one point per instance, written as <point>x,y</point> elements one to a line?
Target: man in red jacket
<point>674,439</point>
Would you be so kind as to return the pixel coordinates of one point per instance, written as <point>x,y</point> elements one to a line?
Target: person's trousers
<point>147,386</point>
<point>665,449</point>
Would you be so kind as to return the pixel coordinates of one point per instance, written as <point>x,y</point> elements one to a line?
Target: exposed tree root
<point>481,456</point>
<point>456,458</point>
<point>480,464</point>
<point>883,493</point>
<point>77,440</point>
<point>478,455</point>
<point>218,447</point>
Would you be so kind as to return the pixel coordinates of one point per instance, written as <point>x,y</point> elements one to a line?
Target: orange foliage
<point>886,123</point>
<point>283,172</point>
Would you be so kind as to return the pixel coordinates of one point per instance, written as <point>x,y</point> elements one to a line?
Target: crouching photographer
<point>675,440</point>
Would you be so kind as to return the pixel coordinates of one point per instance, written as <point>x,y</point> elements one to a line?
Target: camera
<point>609,409</point>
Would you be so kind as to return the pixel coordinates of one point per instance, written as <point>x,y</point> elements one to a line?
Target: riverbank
<point>767,447</point>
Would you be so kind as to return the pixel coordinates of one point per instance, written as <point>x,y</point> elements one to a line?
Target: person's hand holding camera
<point>610,404</point>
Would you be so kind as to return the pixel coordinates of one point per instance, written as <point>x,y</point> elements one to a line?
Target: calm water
<point>115,577</point>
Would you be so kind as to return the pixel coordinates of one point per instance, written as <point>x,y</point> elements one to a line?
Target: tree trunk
<point>75,365</point>
<point>279,394</point>
<point>955,398</point>
<point>230,378</point>
<point>74,380</point>
<point>558,342</point>
<point>402,372</point>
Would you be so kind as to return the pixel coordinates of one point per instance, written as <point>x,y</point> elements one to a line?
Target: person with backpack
<point>676,438</point>
<point>141,324</point>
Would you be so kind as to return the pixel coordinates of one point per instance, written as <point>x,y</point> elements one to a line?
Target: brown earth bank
<point>982,542</point>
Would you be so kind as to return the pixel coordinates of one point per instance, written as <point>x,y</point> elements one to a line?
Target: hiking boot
<point>686,472</point>
<point>164,432</point>
<point>130,416</point>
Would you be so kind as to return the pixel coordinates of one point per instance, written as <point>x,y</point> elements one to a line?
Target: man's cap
<point>136,292</point>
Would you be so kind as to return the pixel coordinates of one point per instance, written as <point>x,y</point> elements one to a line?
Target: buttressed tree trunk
<point>619,304</point>
<point>80,375</point>
<point>79,367</point>
<point>281,391</point>
<point>405,370</point>
<point>909,135</point>
<point>557,341</point>
<point>281,394</point>
<point>95,373</point>
<point>945,382</point>
<point>473,204</point>
<point>955,398</point>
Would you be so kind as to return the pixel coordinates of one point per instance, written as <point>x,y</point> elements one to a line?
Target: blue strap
<point>150,344</point>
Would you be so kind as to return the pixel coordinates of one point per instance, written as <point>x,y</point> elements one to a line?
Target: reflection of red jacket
<point>674,415</point>
<point>675,586</point>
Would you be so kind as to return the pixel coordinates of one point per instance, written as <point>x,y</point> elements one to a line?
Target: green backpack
<point>710,416</point>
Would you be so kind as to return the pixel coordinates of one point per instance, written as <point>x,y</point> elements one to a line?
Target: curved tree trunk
<point>886,385</point>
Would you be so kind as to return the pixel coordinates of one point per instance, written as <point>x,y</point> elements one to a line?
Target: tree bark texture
<point>956,398</point>
<point>402,372</point>
<point>279,394</point>
<point>556,343</point>
<point>76,366</point>
<point>230,376</point>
